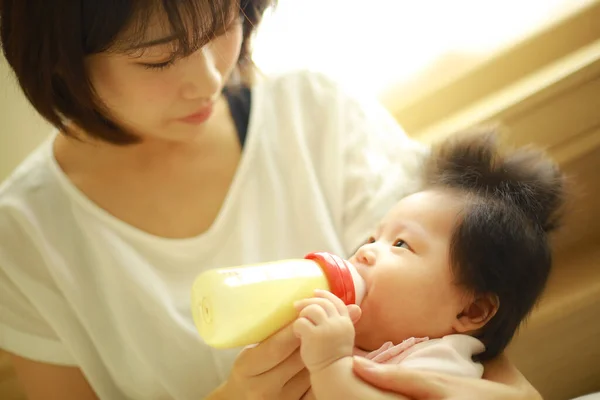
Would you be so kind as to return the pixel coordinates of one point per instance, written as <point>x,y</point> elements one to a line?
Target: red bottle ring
<point>338,275</point>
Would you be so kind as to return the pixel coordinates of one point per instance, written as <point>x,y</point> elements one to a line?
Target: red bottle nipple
<point>338,275</point>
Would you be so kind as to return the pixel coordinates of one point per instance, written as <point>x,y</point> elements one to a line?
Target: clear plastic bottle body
<point>243,305</point>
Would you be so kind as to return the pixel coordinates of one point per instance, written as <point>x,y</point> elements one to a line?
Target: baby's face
<point>405,264</point>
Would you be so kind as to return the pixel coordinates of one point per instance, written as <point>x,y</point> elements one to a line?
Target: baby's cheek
<point>400,294</point>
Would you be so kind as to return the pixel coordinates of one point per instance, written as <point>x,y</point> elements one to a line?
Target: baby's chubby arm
<point>326,332</point>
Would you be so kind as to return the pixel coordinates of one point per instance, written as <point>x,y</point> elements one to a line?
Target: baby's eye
<point>401,243</point>
<point>370,240</point>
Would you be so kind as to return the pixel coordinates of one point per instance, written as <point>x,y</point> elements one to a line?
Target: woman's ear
<point>477,313</point>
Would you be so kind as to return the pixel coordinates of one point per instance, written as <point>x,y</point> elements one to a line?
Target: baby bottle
<point>244,305</point>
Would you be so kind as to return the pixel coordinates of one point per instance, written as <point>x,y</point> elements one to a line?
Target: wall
<point>21,129</point>
<point>546,91</point>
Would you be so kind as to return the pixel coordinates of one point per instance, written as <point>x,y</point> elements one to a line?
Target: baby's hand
<point>325,329</point>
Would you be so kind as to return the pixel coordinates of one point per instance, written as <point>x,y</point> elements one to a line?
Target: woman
<point>168,160</point>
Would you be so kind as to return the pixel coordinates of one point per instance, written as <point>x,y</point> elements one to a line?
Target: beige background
<point>21,129</point>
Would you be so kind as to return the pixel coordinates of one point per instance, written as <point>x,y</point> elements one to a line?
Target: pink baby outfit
<point>452,354</point>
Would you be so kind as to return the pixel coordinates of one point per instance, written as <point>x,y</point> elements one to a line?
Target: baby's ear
<point>477,313</point>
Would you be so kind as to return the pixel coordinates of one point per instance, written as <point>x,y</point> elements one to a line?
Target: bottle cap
<point>344,281</point>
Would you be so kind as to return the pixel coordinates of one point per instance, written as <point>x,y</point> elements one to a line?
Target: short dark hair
<point>500,244</point>
<point>46,43</point>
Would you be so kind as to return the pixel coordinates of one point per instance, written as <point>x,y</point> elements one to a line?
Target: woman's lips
<point>199,117</point>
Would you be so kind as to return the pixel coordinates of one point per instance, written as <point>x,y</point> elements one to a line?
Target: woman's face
<point>152,94</point>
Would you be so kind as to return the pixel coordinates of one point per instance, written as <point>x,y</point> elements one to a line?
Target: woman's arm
<point>501,370</point>
<point>46,381</point>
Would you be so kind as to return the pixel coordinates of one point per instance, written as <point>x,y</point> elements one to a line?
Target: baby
<point>451,271</point>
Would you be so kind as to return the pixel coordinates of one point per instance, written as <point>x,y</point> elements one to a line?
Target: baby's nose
<point>366,256</point>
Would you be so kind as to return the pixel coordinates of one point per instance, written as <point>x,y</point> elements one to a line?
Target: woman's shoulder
<point>300,78</point>
<point>31,199</point>
<point>31,178</point>
<point>311,88</point>
<point>30,210</point>
<point>309,107</point>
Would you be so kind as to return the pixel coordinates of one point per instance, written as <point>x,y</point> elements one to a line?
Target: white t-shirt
<point>80,287</point>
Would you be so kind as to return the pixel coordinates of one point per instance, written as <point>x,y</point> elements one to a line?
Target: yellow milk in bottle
<point>244,305</point>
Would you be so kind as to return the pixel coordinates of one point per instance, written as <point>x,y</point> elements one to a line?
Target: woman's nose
<point>203,77</point>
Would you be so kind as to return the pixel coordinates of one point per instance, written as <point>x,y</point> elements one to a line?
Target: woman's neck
<point>150,153</point>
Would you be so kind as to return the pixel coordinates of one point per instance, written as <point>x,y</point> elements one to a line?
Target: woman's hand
<point>424,385</point>
<point>271,370</point>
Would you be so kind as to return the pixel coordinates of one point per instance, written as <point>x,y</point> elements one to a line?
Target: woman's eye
<point>160,66</point>
<point>401,243</point>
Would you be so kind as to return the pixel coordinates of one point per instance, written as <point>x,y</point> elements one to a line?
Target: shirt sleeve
<point>381,165</point>
<point>23,329</point>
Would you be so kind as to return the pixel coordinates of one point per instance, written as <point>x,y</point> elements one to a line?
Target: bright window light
<point>376,43</point>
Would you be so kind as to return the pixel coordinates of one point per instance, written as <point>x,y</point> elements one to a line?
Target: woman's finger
<point>407,382</point>
<point>296,387</point>
<point>286,370</point>
<point>269,353</point>
<point>426,385</point>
